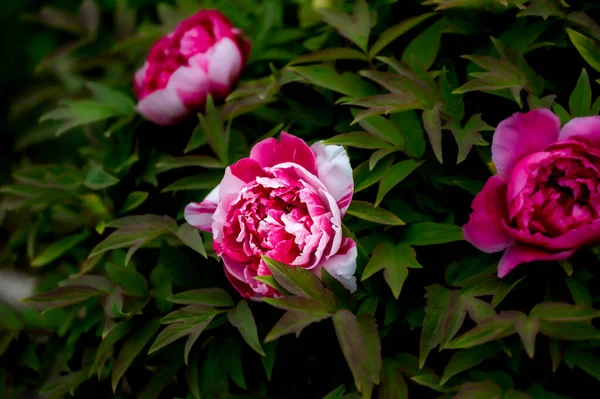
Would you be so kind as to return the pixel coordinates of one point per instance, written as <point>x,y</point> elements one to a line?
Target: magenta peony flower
<point>286,202</point>
<point>204,55</point>
<point>544,203</point>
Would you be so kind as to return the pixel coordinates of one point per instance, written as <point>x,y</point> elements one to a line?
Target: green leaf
<point>395,261</point>
<point>348,84</point>
<point>206,181</point>
<point>528,330</point>
<point>503,289</point>
<point>363,140</point>
<point>469,135</point>
<point>429,233</point>
<point>422,50</point>
<point>59,248</point>
<point>355,28</point>
<point>203,296</point>
<point>336,393</point>
<point>212,127</point>
<point>112,98</point>
<point>298,304</point>
<point>301,282</point>
<point>292,322</point>
<point>269,359</point>
<point>190,327</point>
<point>366,211</point>
<point>126,277</point>
<point>569,331</point>
<point>202,161</point>
<point>491,329</point>
<point>75,113</point>
<point>580,101</point>
<point>197,139</point>
<point>393,385</point>
<point>411,127</point>
<point>131,349</point>
<point>468,358</point>
<point>191,237</point>
<point>365,176</point>
<point>391,34</point>
<point>394,175</point>
<point>359,340</point>
<point>160,380</point>
<point>241,318</point>
<point>585,361</point>
<point>97,178</point>
<point>479,390</point>
<point>134,200</point>
<point>563,312</point>
<point>64,296</point>
<point>107,345</point>
<point>329,54</point>
<point>134,232</point>
<point>382,128</point>
<point>444,315</point>
<point>433,127</point>
<point>588,48</point>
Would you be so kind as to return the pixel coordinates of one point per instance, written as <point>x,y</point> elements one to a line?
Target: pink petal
<point>342,266</point>
<point>138,79</point>
<point>572,239</point>
<point>163,107</point>
<point>200,214</point>
<point>520,253</point>
<point>485,229</point>
<point>247,170</point>
<point>335,172</point>
<point>225,64</point>
<point>240,286</point>
<point>520,135</point>
<point>585,129</point>
<point>192,85</point>
<point>269,152</point>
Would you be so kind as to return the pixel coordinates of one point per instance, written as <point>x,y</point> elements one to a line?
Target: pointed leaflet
<point>365,176</point>
<point>366,211</point>
<point>363,140</point>
<point>63,296</point>
<point>59,248</point>
<point>479,390</point>
<point>492,328</point>
<point>241,317</point>
<point>422,50</point>
<point>528,330</point>
<point>588,48</point>
<point>203,296</point>
<point>393,385</point>
<point>349,84</point>
<point>292,322</point>
<point>391,34</point>
<point>580,101</point>
<point>563,312</point>
<point>131,348</point>
<point>133,200</point>
<point>329,54</point>
<point>212,127</point>
<point>433,127</point>
<point>411,127</point>
<point>382,128</point>
<point>429,233</point>
<point>444,315</point>
<point>469,135</point>
<point>355,28</point>
<point>301,282</point>
<point>395,261</point>
<point>394,175</point>
<point>298,304</point>
<point>359,340</point>
<point>465,359</point>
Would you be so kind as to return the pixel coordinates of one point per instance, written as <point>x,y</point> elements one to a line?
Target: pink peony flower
<point>286,202</point>
<point>544,203</point>
<point>204,55</point>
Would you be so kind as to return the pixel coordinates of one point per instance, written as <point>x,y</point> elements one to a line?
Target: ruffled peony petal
<point>200,214</point>
<point>335,172</point>
<point>240,286</point>
<point>572,239</point>
<point>342,266</point>
<point>585,129</point>
<point>192,85</point>
<point>485,229</point>
<point>247,170</point>
<point>163,107</point>
<point>225,64</point>
<point>520,253</point>
<point>292,149</point>
<point>520,135</point>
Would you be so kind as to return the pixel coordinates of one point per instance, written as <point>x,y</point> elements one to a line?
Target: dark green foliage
<point>92,198</point>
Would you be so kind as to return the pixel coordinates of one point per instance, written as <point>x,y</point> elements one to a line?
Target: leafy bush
<point>93,197</point>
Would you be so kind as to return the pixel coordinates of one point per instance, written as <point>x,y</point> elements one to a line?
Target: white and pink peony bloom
<point>285,201</point>
<point>204,55</point>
